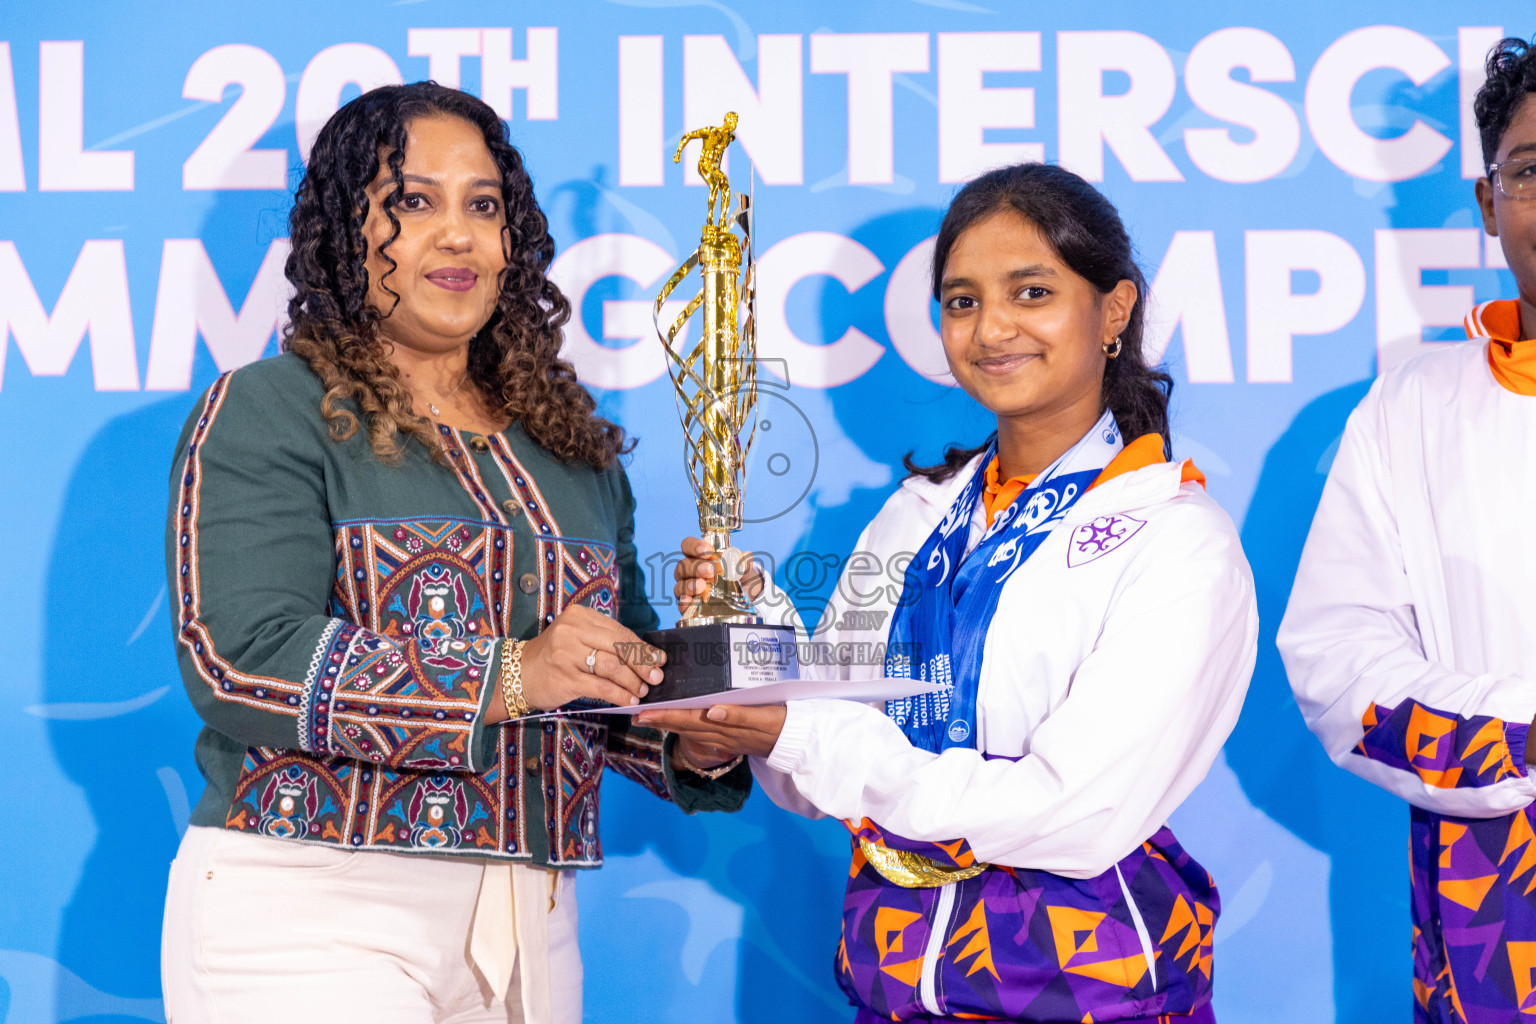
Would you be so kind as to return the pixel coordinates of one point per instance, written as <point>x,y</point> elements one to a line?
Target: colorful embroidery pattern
<point>546,531</point>
<point>1445,751</point>
<point>588,576</point>
<point>386,712</point>
<point>637,755</point>
<point>431,594</point>
<point>289,802</point>
<point>423,580</point>
<point>574,755</point>
<point>469,475</point>
<point>1028,944</point>
<point>264,693</point>
<point>357,804</point>
<point>407,705</point>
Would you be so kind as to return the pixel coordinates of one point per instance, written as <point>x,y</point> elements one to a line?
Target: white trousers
<point>264,931</point>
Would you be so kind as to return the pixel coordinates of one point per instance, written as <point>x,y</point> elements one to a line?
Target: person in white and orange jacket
<point>1409,637</point>
<point>1092,614</point>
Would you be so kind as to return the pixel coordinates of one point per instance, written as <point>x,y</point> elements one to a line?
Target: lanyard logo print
<point>948,598</point>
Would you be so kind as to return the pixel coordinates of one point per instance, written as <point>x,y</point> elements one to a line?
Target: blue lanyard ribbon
<point>948,598</point>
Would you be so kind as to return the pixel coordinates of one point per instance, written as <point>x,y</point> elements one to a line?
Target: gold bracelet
<point>512,680</point>
<point>708,773</point>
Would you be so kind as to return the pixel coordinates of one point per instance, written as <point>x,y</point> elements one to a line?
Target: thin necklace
<point>438,413</point>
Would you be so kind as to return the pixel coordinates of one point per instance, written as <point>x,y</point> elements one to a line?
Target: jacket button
<point>511,508</point>
<point>480,444</point>
<point>533,765</point>
<point>528,583</point>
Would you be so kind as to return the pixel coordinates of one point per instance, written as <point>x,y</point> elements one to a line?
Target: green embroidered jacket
<point>337,623</point>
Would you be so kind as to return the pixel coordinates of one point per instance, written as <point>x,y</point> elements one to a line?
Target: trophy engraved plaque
<point>721,643</point>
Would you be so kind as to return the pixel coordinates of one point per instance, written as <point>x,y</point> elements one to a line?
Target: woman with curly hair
<point>1091,615</point>
<point>389,546</point>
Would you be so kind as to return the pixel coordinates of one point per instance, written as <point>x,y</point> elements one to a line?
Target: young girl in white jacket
<point>1092,615</point>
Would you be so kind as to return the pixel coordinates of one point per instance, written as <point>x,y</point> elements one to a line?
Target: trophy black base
<point>721,657</point>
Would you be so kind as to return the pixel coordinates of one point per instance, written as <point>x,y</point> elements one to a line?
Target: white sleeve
<point>780,788</point>
<point>1351,644</point>
<point>777,608</point>
<point>1146,714</point>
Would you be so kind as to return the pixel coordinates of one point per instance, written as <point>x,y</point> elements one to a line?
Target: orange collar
<point>1000,494</point>
<point>1146,450</point>
<point>1511,359</point>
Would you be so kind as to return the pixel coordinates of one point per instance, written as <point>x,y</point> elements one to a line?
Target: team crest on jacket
<point>1099,537</point>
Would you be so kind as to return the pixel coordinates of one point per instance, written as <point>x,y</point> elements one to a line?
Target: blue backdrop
<point>1297,180</point>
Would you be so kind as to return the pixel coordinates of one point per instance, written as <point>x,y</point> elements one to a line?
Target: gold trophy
<point>721,643</point>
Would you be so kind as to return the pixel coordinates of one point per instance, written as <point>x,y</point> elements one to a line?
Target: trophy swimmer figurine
<point>711,153</point>
<point>722,643</point>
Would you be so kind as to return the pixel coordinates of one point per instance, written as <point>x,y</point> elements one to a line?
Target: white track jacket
<point>1410,641</point>
<point>1418,580</point>
<point>1113,674</point>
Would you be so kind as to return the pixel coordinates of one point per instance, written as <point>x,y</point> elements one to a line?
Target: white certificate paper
<point>863,690</point>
